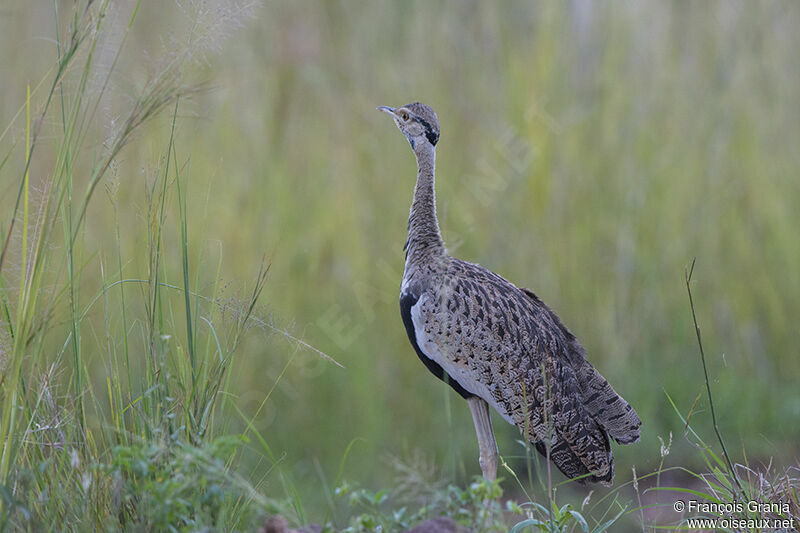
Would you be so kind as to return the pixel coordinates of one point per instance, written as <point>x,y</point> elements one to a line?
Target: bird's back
<point>505,345</point>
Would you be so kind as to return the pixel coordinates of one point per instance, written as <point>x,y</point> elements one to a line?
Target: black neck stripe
<point>431,135</point>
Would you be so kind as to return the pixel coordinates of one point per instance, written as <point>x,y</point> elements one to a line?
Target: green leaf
<point>578,517</point>
<point>520,526</point>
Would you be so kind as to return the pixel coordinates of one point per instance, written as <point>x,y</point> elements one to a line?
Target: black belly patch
<point>407,301</point>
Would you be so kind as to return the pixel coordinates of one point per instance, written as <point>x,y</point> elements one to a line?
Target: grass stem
<point>731,470</point>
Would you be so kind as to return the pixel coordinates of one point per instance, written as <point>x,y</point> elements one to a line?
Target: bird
<point>499,345</point>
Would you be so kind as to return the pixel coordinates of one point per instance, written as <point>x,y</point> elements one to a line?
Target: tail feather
<point>580,445</point>
<point>608,408</point>
<point>572,466</point>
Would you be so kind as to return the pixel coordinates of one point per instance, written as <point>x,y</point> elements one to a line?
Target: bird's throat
<point>424,239</point>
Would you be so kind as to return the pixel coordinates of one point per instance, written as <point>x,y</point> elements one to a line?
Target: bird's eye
<point>404,116</point>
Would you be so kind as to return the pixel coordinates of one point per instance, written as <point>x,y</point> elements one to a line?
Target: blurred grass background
<point>588,151</point>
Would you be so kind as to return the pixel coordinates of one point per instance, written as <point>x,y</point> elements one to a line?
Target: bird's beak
<point>387,110</point>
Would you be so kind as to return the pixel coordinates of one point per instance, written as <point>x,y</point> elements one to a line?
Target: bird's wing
<point>604,404</point>
<point>507,347</point>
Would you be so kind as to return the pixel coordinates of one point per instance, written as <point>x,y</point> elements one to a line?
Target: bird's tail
<point>579,444</point>
<point>609,409</point>
<point>571,465</point>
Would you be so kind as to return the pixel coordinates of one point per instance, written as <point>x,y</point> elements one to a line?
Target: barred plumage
<point>499,344</point>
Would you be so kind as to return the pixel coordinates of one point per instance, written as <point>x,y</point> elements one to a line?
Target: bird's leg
<point>486,441</point>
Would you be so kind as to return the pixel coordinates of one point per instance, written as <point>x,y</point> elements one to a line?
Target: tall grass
<point>137,444</point>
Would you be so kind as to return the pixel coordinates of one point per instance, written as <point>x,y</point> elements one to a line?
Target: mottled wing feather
<point>608,408</point>
<point>500,342</point>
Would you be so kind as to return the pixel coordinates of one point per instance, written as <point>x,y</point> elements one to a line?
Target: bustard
<point>500,345</point>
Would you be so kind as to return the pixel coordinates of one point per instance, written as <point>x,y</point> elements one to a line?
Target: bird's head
<point>418,123</point>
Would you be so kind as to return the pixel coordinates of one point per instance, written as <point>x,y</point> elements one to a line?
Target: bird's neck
<point>424,240</point>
